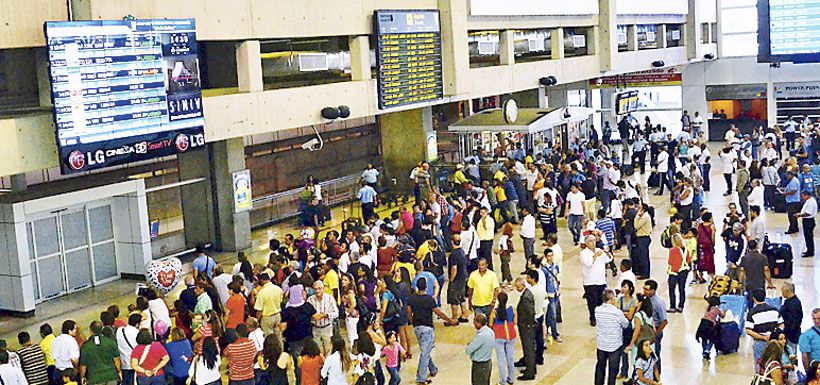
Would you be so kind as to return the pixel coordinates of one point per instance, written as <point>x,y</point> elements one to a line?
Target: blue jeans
<point>552,317</point>
<point>624,372</point>
<point>153,380</point>
<point>574,223</point>
<point>395,376</point>
<point>440,279</point>
<point>706,345</point>
<point>426,337</point>
<point>506,363</point>
<point>757,348</point>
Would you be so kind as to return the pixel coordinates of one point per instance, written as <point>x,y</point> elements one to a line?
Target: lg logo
<point>77,160</point>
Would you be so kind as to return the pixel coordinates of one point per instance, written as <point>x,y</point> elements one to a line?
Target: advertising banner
<point>649,78</point>
<point>124,90</point>
<point>801,90</point>
<point>242,196</point>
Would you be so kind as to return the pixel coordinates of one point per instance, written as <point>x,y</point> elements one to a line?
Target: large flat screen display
<point>626,102</point>
<point>789,31</point>
<point>408,56</point>
<point>124,91</point>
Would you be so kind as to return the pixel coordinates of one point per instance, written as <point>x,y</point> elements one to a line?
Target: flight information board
<point>794,26</point>
<point>124,90</point>
<point>408,57</point>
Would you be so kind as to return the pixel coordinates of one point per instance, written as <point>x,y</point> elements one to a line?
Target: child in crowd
<point>71,377</point>
<point>393,351</point>
<point>505,249</point>
<point>626,273</point>
<point>708,330</point>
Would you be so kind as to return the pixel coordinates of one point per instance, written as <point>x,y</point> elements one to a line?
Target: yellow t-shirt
<point>483,287</point>
<point>500,195</point>
<point>459,177</point>
<point>331,281</point>
<point>45,345</point>
<point>499,176</point>
<point>485,228</point>
<point>409,266</point>
<point>422,251</point>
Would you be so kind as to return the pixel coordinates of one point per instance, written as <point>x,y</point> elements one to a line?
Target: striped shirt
<point>607,226</point>
<point>763,319</point>
<point>242,356</point>
<point>34,364</point>
<point>610,325</point>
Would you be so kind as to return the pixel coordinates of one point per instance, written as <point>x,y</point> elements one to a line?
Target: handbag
<point>191,380</point>
<point>764,379</point>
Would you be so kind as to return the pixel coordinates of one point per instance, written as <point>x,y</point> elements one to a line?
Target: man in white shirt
<point>470,243</point>
<point>539,293</point>
<point>575,212</point>
<point>728,156</point>
<point>769,153</point>
<point>528,232</point>
<point>789,128</point>
<point>593,263</point>
<point>64,348</point>
<point>757,230</point>
<point>258,337</point>
<point>808,213</point>
<point>126,341</point>
<point>221,281</point>
<point>697,123</point>
<point>705,164</point>
<point>663,169</point>
<point>10,374</point>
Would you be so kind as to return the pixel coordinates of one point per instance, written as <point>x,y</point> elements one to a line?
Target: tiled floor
<point>569,363</point>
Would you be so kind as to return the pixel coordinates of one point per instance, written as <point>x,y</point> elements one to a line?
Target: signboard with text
<point>242,196</point>
<point>408,57</point>
<point>801,90</point>
<point>124,90</point>
<point>649,78</point>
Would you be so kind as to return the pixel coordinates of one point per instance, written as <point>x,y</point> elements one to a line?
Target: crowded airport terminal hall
<point>409,192</point>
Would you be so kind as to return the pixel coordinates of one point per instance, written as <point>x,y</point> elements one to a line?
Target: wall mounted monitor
<point>124,90</point>
<point>408,57</point>
<point>626,102</point>
<point>788,31</point>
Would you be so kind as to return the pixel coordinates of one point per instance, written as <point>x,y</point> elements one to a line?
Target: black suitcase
<point>781,258</point>
<point>728,338</point>
<point>779,203</point>
<point>654,180</point>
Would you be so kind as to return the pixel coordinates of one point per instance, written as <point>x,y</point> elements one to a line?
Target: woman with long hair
<point>337,364</point>
<point>348,302</point>
<point>367,288</point>
<point>813,373</point>
<point>148,359</point>
<point>364,369</point>
<point>402,289</point>
<point>182,318</point>
<point>179,351</point>
<point>211,327</point>
<point>274,361</point>
<point>204,367</point>
<point>770,365</point>
<point>706,246</point>
<point>642,326</point>
<point>647,370</point>
<point>629,305</point>
<point>311,364</point>
<point>505,250</point>
<point>503,321</point>
<point>377,335</point>
<point>679,263</point>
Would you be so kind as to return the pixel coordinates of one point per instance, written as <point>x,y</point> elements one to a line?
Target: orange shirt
<point>311,369</point>
<point>236,304</point>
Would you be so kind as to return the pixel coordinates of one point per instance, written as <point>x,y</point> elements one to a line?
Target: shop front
<point>798,99</point>
<point>741,105</point>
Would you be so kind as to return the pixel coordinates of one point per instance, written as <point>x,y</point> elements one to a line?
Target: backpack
<point>392,310</point>
<point>647,329</point>
<point>666,239</point>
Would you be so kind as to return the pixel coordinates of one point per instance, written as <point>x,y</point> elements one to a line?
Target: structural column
<point>404,142</point>
<point>360,58</point>
<point>557,43</point>
<point>607,34</point>
<point>249,66</point>
<point>455,61</point>
<point>506,47</point>
<point>208,206</point>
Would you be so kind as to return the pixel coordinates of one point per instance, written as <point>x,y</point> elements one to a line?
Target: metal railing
<point>285,205</point>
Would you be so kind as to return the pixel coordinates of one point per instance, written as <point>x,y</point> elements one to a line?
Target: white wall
<point>652,7</point>
<point>745,70</point>
<point>533,8</point>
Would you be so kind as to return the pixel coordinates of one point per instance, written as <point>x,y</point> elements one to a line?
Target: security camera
<point>599,81</point>
<point>658,63</point>
<point>312,145</point>
<point>567,115</point>
<point>709,56</point>
<point>548,81</point>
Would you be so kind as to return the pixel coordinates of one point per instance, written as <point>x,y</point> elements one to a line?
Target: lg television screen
<point>788,31</point>
<point>124,90</point>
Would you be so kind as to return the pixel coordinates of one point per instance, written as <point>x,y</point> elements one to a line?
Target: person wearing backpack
<point>642,327</point>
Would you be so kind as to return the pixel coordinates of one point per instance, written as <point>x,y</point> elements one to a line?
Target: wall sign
<point>802,90</point>
<point>655,77</point>
<point>736,92</point>
<point>408,57</point>
<point>124,90</point>
<point>532,8</point>
<point>242,195</point>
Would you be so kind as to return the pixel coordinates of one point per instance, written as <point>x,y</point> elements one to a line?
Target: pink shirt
<point>392,354</point>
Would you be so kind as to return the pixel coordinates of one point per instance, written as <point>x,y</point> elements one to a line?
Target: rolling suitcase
<point>780,259</point>
<point>779,203</point>
<point>654,180</point>
<point>728,338</point>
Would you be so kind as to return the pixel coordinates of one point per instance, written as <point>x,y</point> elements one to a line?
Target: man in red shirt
<point>234,307</point>
<point>241,356</point>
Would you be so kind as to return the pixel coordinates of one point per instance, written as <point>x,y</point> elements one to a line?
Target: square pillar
<point>557,43</point>
<point>632,37</point>
<point>404,142</point>
<point>359,58</point>
<point>506,47</point>
<point>606,46</point>
<point>661,35</point>
<point>208,206</point>
<point>249,66</point>
<point>455,61</point>
<point>43,80</point>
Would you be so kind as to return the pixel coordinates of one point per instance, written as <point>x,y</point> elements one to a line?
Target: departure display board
<point>124,91</point>
<point>626,102</point>
<point>794,26</point>
<point>408,56</point>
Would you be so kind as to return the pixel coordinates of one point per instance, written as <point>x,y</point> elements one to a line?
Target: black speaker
<point>344,112</point>
<point>548,81</point>
<point>330,113</point>
<point>658,63</point>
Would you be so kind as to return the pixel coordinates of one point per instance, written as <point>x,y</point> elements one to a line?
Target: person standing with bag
<point>148,359</point>
<point>204,369</point>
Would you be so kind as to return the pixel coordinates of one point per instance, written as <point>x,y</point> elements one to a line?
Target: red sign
<point>649,78</point>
